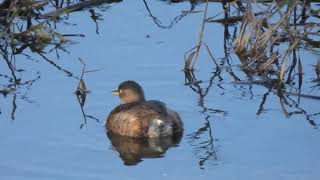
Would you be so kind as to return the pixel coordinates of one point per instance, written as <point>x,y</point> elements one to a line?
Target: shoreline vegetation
<point>271,36</point>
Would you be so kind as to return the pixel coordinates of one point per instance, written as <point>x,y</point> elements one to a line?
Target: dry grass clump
<point>254,42</point>
<point>260,44</point>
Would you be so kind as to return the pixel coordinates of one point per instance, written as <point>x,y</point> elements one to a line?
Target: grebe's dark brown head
<point>129,91</point>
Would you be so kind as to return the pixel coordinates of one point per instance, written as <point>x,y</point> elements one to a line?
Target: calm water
<point>229,133</point>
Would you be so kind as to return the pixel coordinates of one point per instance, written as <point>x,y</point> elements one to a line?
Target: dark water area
<point>232,130</point>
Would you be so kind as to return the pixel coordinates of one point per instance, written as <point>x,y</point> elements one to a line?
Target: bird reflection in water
<point>133,150</point>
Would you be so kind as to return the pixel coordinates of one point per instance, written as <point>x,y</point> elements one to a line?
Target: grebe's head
<point>129,91</point>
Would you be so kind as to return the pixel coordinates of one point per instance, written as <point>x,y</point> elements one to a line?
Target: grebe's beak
<point>116,92</point>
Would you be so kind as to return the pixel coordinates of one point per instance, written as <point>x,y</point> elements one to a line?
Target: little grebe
<point>136,117</point>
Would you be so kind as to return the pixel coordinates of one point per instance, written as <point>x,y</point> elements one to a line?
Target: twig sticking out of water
<point>82,89</point>
<point>194,52</point>
<point>81,94</point>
